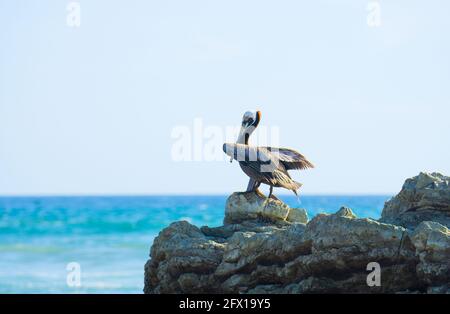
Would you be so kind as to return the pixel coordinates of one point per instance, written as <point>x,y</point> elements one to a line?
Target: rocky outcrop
<point>425,197</point>
<point>432,243</point>
<point>266,247</point>
<point>242,206</point>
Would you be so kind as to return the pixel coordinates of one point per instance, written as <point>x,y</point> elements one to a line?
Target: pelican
<point>268,165</point>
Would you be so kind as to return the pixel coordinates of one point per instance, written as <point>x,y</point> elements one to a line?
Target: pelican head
<point>250,121</point>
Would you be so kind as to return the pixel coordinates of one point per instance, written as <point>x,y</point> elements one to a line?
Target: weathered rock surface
<point>242,206</point>
<point>266,247</point>
<point>432,243</point>
<point>425,197</point>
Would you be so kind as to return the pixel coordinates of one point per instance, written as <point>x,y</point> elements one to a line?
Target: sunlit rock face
<point>265,246</point>
<point>425,197</point>
<point>242,206</point>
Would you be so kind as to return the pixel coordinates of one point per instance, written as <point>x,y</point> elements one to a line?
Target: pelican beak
<point>228,150</point>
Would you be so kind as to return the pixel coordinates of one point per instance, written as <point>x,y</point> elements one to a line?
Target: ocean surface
<point>110,237</point>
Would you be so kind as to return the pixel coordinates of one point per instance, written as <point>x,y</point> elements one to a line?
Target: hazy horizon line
<point>182,194</point>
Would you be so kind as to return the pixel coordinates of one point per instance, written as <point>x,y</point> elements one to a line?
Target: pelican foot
<point>274,197</point>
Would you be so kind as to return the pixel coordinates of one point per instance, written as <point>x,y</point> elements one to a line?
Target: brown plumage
<point>291,159</point>
<point>268,165</point>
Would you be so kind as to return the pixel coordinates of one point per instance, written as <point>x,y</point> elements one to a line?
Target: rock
<point>242,206</point>
<point>439,289</point>
<point>274,249</point>
<point>297,215</point>
<point>432,243</point>
<point>425,197</point>
<point>346,212</point>
<point>181,258</point>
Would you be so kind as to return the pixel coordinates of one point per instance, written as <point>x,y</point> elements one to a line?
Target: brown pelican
<point>268,165</point>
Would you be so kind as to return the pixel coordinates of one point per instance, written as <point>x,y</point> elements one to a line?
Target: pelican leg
<point>271,194</point>
<point>253,187</point>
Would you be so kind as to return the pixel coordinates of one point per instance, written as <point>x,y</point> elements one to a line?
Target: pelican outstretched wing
<point>267,164</point>
<point>290,158</point>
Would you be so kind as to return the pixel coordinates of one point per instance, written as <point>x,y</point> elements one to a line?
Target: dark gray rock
<point>260,250</point>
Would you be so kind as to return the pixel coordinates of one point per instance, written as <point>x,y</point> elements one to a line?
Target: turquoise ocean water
<point>110,237</point>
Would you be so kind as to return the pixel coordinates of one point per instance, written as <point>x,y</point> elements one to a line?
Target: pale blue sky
<point>90,110</point>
